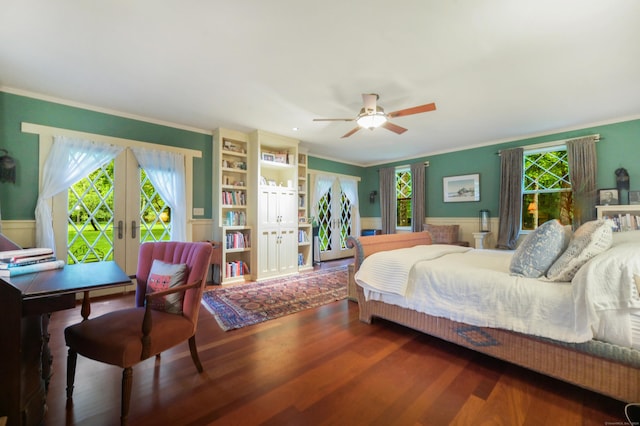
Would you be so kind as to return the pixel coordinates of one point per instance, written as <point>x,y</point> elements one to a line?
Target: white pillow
<point>589,240</point>
<point>539,250</point>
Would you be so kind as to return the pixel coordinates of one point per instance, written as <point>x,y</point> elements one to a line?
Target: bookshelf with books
<point>236,254</point>
<point>304,227</point>
<point>624,216</point>
<point>231,201</point>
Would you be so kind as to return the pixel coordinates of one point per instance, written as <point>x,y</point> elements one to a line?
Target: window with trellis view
<point>403,197</point>
<point>546,189</point>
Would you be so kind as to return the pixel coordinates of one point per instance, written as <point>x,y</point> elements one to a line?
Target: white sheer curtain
<point>321,184</point>
<point>166,172</point>
<point>350,189</point>
<point>69,161</point>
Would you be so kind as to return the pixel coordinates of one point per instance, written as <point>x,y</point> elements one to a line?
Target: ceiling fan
<point>372,115</point>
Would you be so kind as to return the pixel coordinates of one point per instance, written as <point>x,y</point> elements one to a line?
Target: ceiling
<point>497,70</point>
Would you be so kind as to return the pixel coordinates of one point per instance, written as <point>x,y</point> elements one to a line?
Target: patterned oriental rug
<point>241,305</point>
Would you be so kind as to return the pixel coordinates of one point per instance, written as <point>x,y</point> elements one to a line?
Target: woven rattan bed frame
<point>601,367</point>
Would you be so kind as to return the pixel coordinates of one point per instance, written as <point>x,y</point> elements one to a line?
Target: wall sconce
<point>485,224</point>
<point>372,196</point>
<point>7,167</point>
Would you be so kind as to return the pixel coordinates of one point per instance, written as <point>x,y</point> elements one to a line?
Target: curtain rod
<point>596,138</point>
<point>426,164</point>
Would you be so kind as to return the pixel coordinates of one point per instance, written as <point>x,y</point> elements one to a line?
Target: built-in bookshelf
<point>236,254</point>
<point>231,204</point>
<point>625,217</point>
<point>305,260</point>
<point>274,174</point>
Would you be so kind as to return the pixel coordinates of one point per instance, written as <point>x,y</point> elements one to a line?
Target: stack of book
<point>26,261</point>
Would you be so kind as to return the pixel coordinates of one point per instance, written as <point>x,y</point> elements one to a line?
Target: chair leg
<point>194,353</point>
<point>72,357</point>
<point>127,379</point>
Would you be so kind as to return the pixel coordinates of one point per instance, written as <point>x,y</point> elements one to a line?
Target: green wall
<point>18,201</point>
<point>619,147</point>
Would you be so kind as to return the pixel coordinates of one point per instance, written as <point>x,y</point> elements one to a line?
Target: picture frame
<point>268,157</point>
<point>608,196</point>
<point>461,188</point>
<point>634,197</point>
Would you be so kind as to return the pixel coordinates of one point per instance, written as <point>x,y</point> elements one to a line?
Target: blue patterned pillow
<point>535,255</point>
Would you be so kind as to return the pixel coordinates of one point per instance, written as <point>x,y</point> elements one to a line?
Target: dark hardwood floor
<point>321,366</point>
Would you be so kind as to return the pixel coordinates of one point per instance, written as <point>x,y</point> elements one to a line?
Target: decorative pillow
<point>589,240</point>
<point>442,234</point>
<point>539,250</point>
<point>162,277</point>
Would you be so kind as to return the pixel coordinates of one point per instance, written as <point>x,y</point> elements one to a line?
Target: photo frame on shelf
<point>268,157</point>
<point>608,196</point>
<point>634,197</point>
<point>462,188</point>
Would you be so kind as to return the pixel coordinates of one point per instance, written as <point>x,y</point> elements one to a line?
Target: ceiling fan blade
<point>352,131</point>
<point>393,127</point>
<point>369,101</point>
<point>333,119</point>
<point>414,110</point>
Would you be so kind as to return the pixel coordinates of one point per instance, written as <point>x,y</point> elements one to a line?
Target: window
<point>403,197</point>
<point>546,189</point>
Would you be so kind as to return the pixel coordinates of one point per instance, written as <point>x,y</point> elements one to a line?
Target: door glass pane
<point>324,222</point>
<point>90,218</point>
<point>155,214</point>
<point>345,219</point>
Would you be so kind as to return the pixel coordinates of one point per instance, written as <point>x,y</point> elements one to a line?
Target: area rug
<point>241,305</point>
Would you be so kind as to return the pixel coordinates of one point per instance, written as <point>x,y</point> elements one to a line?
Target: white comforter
<point>475,287</point>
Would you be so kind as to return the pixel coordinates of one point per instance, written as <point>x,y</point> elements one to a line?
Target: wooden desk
<point>26,302</point>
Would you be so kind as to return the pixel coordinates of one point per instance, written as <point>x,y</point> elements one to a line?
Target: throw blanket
<point>388,271</point>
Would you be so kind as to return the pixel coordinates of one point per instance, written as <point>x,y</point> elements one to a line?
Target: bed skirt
<point>617,375</point>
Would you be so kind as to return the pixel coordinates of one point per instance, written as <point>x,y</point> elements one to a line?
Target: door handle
<point>133,229</point>
<point>120,230</point>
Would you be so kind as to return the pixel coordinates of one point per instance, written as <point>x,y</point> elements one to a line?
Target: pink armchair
<point>128,336</point>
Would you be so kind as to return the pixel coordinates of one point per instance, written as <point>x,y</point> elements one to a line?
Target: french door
<point>109,213</point>
<point>334,223</point>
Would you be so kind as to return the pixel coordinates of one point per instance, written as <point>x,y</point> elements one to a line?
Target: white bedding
<point>475,287</point>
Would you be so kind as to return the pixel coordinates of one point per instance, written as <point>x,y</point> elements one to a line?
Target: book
<point>13,255</point>
<point>28,269</point>
<point>7,263</point>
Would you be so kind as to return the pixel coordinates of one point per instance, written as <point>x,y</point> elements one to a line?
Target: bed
<point>581,342</point>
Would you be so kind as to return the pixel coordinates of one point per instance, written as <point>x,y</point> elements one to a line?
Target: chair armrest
<point>176,289</point>
<point>147,323</point>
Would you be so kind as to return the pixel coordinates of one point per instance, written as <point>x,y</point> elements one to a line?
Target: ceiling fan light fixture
<point>371,120</point>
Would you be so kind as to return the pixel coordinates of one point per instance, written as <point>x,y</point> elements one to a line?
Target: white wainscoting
<point>21,232</point>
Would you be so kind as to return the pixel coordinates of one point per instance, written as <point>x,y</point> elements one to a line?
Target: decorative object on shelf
<point>7,167</point>
<point>485,224</point>
<point>608,196</point>
<point>461,188</point>
<point>634,197</point>
<point>622,178</point>
<point>372,196</point>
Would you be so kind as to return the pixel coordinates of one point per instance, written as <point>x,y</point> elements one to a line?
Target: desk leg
<point>85,311</point>
<point>47,358</point>
<point>32,389</point>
